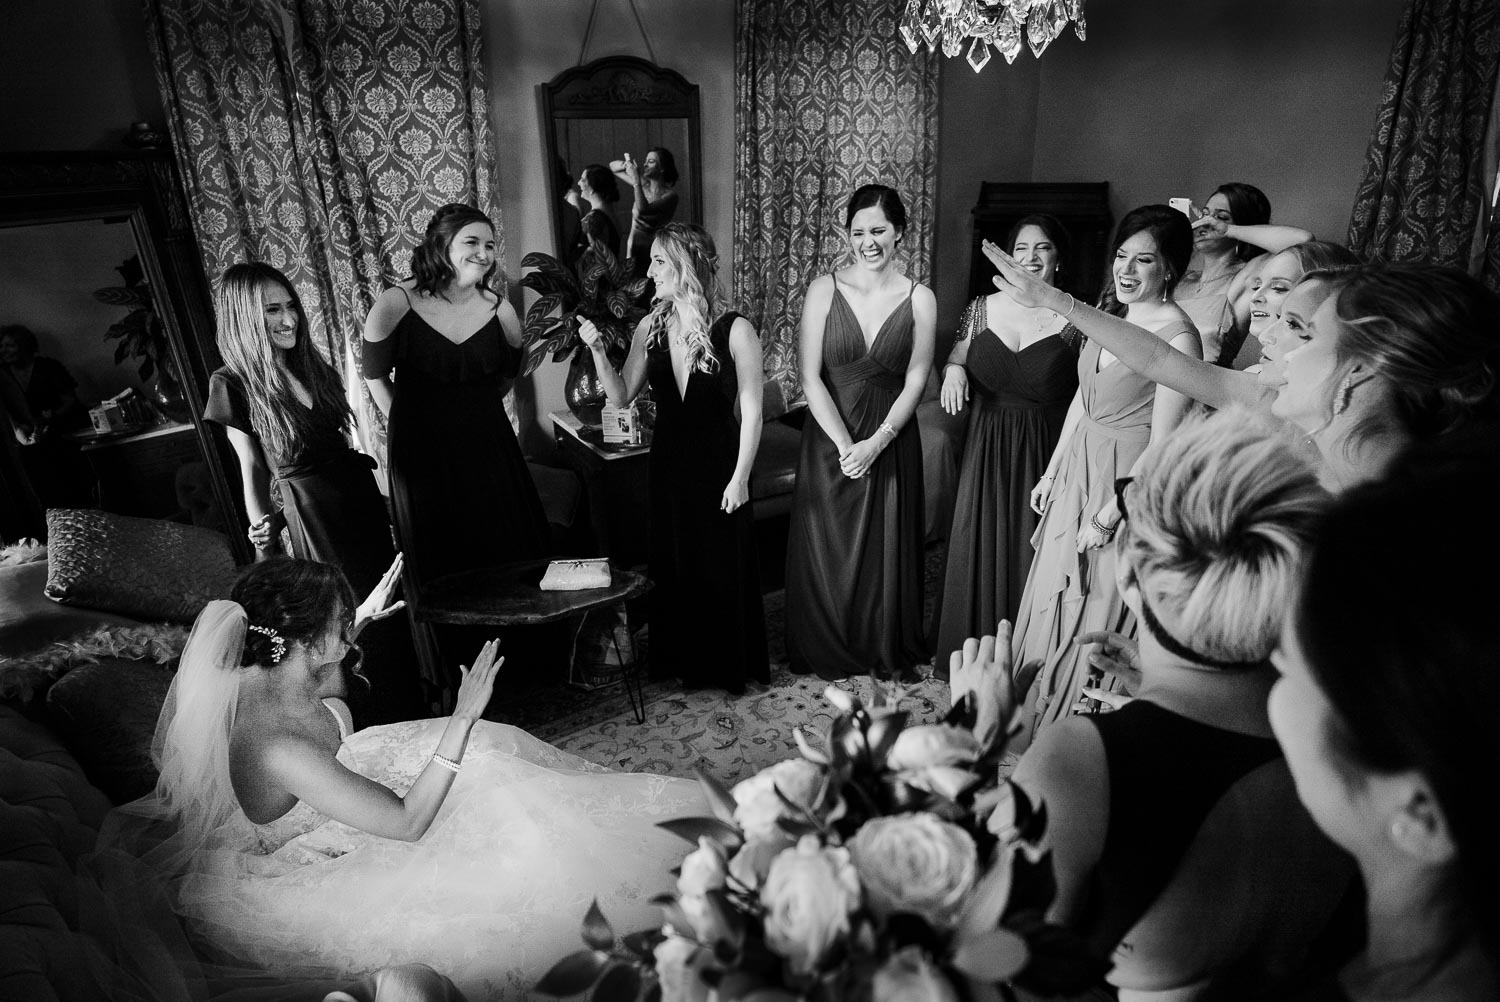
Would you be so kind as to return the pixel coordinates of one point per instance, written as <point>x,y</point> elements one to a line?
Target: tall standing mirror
<point>597,112</point>
<point>105,345</point>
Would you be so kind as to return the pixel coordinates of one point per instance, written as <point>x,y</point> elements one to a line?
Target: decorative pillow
<point>106,714</point>
<point>140,567</point>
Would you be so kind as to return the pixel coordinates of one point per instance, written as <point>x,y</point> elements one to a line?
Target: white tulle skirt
<point>491,896</point>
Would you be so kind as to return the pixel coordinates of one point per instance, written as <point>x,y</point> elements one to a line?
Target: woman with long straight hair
<point>701,359</point>
<point>283,409</point>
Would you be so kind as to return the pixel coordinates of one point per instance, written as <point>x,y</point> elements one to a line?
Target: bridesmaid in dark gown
<point>462,494</point>
<point>286,416</point>
<point>707,622</point>
<point>1018,367</point>
<point>854,549</point>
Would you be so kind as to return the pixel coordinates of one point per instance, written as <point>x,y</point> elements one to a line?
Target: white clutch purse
<point>576,575</point>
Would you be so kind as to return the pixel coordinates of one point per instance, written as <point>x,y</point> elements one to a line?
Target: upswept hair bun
<point>298,599</point>
<point>1432,333</point>
<point>1220,513</point>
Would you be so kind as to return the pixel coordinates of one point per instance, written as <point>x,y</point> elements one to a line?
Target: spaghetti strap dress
<point>707,623</point>
<point>854,548</point>
<point>1070,593</point>
<point>1017,404</point>
<point>462,494</point>
<point>335,514</point>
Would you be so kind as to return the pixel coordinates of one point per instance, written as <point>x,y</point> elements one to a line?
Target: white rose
<point>751,864</point>
<point>929,745</point>
<point>915,863</point>
<point>809,894</point>
<point>679,968</point>
<point>757,806</point>
<point>908,976</point>
<point>704,869</point>
<point>706,921</point>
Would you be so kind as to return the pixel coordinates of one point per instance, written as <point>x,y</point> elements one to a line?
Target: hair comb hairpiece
<point>278,645</point>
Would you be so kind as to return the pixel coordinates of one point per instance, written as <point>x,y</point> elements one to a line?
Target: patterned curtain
<point>320,136</point>
<point>827,98</point>
<point>1424,189</point>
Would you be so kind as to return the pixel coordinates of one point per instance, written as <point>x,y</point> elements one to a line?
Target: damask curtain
<point>320,136</point>
<point>1425,189</point>
<point>827,98</point>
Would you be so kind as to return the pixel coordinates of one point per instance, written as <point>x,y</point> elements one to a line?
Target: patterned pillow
<point>141,567</point>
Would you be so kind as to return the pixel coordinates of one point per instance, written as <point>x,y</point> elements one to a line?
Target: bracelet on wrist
<point>1072,305</point>
<point>885,426</point>
<point>1107,531</point>
<point>446,763</point>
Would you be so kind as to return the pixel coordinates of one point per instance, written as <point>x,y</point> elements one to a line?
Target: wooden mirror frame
<point>618,87</point>
<point>141,187</point>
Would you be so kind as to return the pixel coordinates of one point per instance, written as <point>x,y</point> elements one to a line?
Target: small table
<point>508,595</point>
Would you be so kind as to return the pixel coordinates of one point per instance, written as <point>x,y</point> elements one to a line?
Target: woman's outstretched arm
<point>1139,349</point>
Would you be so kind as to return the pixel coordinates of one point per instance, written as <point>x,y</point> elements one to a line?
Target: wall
<point>529,43</point>
<point>75,75</point>
<point>1169,98</point>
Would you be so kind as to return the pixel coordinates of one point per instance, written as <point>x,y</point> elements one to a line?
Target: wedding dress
<point>491,896</point>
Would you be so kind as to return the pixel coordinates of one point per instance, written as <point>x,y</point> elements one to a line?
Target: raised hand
<point>378,605</point>
<point>478,683</point>
<point>590,335</point>
<point>1015,281</point>
<point>982,669</point>
<point>631,171</point>
<point>1212,223</point>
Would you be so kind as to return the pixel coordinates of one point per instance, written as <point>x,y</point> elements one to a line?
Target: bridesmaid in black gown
<point>707,622</point>
<point>1018,368</point>
<point>854,549</point>
<point>462,495</point>
<point>286,416</point>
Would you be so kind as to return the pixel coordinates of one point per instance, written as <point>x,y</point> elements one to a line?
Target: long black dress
<point>854,548</point>
<point>335,514</point>
<point>707,623</point>
<point>462,495</point>
<point>1017,404</point>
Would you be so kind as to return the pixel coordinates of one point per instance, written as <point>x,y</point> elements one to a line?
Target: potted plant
<point>599,288</point>
<point>141,336</point>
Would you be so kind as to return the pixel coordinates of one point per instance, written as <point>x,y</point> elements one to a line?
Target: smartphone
<point>1182,205</point>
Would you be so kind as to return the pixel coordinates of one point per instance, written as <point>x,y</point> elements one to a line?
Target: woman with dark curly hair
<point>462,494</point>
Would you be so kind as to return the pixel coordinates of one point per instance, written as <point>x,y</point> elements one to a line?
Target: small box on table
<point>621,425</point>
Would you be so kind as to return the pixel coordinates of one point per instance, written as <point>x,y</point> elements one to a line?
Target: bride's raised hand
<point>1016,282</point>
<point>378,605</point>
<point>478,682</point>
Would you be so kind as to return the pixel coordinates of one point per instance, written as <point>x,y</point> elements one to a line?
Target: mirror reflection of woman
<point>41,398</point>
<point>597,193</point>
<point>1015,369</point>
<point>703,361</point>
<point>854,559</point>
<point>654,181</point>
<point>462,494</point>
<point>284,411</point>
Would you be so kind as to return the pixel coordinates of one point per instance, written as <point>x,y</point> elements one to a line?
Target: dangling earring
<point>1344,395</point>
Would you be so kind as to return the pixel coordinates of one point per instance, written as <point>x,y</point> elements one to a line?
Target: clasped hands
<point>855,460</point>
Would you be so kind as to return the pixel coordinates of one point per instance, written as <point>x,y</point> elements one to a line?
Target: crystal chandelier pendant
<point>1009,25</point>
<point>979,54</point>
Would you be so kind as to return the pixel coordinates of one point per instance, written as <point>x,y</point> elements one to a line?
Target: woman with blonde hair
<point>283,409</point>
<point>701,359</point>
<point>1180,848</point>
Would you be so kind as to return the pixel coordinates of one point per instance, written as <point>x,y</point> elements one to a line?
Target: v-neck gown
<point>462,495</point>
<point>707,624</point>
<point>1017,404</point>
<point>1070,593</point>
<point>854,548</point>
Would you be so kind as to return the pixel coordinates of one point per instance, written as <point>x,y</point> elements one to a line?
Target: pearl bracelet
<point>885,426</point>
<point>446,763</point>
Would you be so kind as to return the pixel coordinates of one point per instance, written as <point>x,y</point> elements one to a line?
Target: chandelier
<point>950,24</point>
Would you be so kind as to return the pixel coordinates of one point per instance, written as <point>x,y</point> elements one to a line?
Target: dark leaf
<point>883,734</point>
<point>992,956</point>
<point>1033,885</point>
<point>573,974</point>
<point>549,266</point>
<point>795,828</point>
<point>134,298</point>
<point>542,310</point>
<point>534,360</point>
<point>963,713</point>
<point>598,934</point>
<point>691,829</point>
<point>547,283</point>
<point>621,983</point>
<point>719,798</point>
<point>147,368</point>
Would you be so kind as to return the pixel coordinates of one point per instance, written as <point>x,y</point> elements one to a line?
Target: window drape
<point>827,97</point>
<point>319,136</point>
<point>1424,189</point>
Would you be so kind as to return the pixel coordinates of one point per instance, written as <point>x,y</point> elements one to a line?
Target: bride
<point>300,848</point>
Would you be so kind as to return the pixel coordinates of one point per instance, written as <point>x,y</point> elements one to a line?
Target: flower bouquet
<point>888,862</point>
